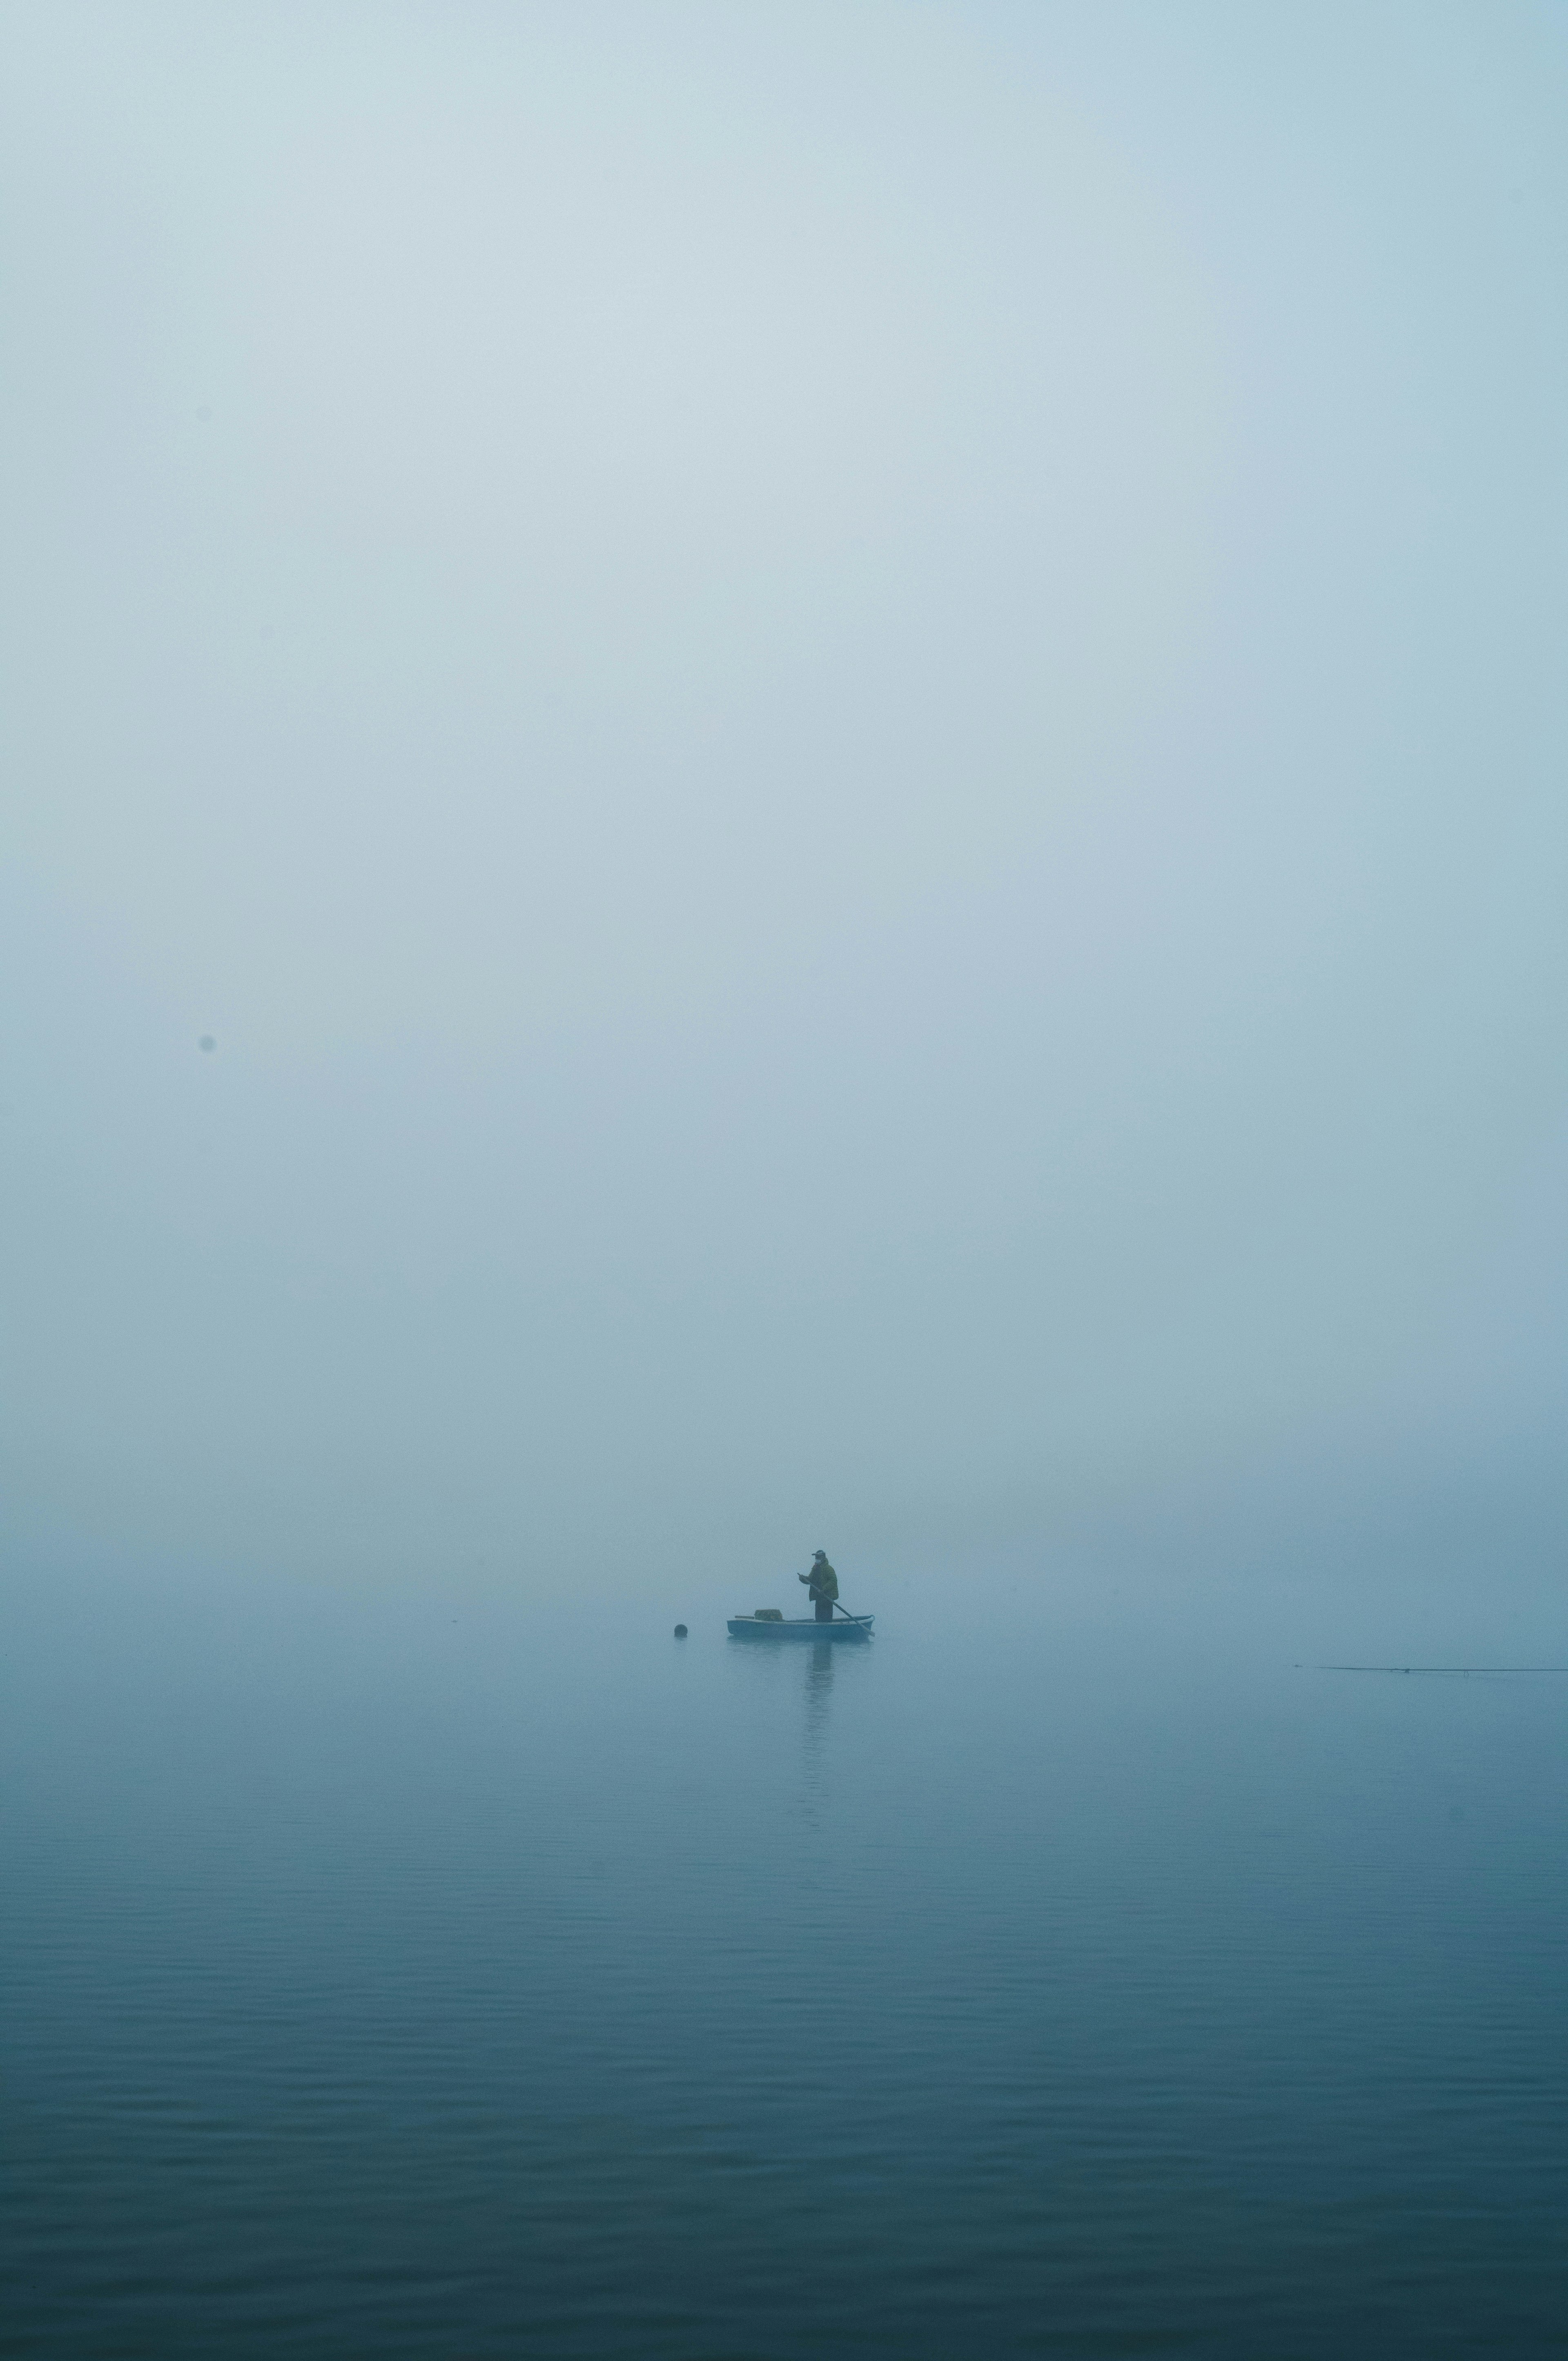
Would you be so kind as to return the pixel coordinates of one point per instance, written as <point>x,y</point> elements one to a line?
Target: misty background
<point>851,721</point>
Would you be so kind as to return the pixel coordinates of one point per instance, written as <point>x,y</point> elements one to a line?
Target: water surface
<point>413,1978</point>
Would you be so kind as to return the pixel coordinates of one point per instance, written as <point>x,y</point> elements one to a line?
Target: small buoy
<point>207,1043</point>
<point>680,1631</point>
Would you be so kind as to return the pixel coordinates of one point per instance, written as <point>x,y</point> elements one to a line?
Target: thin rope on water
<point>1450,1670</point>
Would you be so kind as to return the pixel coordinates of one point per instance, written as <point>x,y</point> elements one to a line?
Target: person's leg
<point>825,1610</point>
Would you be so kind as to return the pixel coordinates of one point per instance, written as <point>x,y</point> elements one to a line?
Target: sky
<point>851,721</point>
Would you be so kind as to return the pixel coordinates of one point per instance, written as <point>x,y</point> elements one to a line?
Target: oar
<point>862,1620</point>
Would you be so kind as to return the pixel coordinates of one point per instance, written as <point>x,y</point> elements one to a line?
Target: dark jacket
<point>821,1582</point>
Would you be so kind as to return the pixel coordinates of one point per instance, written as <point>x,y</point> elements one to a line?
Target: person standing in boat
<point>822,1584</point>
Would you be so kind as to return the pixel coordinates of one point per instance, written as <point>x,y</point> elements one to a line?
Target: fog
<point>851,721</point>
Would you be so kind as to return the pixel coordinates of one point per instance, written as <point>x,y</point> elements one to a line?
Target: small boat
<point>799,1627</point>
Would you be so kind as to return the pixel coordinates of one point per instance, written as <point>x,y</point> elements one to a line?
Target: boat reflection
<point>817,1688</point>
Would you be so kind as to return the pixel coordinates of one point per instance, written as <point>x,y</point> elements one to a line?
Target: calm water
<point>439,1980</point>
